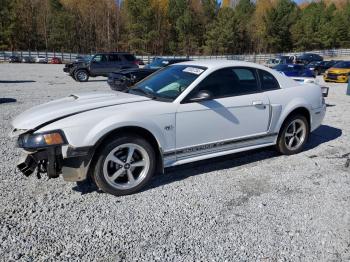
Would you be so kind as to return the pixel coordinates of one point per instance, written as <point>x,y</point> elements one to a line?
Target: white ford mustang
<point>183,113</point>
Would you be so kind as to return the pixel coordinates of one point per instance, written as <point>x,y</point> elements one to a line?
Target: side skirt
<point>191,154</point>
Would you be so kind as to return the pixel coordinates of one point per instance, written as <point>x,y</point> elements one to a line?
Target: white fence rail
<point>257,58</point>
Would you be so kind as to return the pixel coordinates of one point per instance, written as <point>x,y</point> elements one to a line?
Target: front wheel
<point>293,135</point>
<point>81,76</point>
<point>124,165</point>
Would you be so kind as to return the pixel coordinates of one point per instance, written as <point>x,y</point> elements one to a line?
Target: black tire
<point>106,149</point>
<point>282,140</point>
<point>316,72</point>
<point>81,75</point>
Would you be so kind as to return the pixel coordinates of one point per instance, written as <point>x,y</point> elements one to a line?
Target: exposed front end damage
<point>43,161</point>
<point>71,163</point>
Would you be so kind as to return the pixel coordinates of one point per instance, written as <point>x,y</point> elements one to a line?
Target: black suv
<point>100,64</point>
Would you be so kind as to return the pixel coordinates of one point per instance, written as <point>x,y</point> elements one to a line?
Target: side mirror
<point>202,95</point>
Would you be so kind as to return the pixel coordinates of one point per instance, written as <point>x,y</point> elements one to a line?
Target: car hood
<point>339,70</point>
<point>74,104</point>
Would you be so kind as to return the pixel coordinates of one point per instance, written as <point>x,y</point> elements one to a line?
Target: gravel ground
<point>254,206</point>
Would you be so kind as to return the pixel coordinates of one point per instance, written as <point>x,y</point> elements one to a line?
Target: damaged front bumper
<point>73,164</point>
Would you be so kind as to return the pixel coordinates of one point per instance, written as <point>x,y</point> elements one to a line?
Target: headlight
<point>39,140</point>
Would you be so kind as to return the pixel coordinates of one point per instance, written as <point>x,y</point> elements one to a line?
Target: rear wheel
<point>293,135</point>
<point>124,165</point>
<point>81,76</point>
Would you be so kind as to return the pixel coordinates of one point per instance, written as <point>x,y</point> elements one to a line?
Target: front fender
<point>105,127</point>
<point>87,129</point>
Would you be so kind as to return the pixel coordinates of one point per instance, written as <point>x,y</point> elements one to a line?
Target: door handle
<point>257,103</point>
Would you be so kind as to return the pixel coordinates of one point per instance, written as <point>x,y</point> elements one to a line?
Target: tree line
<point>165,27</point>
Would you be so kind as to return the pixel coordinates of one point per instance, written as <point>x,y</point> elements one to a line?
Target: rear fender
<point>286,111</point>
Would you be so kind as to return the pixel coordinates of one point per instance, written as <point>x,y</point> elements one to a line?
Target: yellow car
<point>339,73</point>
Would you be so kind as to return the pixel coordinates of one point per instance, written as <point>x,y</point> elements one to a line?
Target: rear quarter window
<point>268,81</point>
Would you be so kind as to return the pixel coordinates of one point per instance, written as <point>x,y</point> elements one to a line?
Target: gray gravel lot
<point>254,206</point>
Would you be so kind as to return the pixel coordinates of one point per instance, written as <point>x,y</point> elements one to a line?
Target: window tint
<point>268,81</point>
<point>113,58</point>
<point>129,57</point>
<point>229,82</point>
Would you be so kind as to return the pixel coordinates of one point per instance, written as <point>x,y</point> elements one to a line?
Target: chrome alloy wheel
<point>82,75</point>
<point>126,166</point>
<point>295,134</point>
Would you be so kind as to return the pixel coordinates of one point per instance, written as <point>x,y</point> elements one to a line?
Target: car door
<point>237,110</point>
<point>114,63</point>
<point>298,70</point>
<point>98,64</point>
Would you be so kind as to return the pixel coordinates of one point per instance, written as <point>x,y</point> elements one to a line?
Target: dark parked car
<point>122,80</point>
<point>308,58</point>
<point>294,70</point>
<point>100,65</point>
<point>159,62</point>
<point>28,59</point>
<point>14,59</point>
<point>320,67</point>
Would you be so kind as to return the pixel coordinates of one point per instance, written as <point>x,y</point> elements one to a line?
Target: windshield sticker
<point>193,70</point>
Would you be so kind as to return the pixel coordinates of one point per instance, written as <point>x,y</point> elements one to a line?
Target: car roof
<point>216,64</point>
<point>113,53</point>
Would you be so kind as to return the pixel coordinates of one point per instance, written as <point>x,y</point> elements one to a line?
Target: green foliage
<point>223,34</point>
<point>173,26</point>
<point>6,24</point>
<point>319,26</point>
<point>278,22</point>
<point>140,26</point>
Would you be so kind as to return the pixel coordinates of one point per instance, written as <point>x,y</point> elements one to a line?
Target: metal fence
<point>257,58</point>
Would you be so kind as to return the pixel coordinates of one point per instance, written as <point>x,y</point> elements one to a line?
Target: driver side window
<point>229,82</point>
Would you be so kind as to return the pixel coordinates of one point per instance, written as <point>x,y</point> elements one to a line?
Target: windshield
<point>345,64</point>
<point>158,63</point>
<point>314,63</point>
<point>168,83</point>
<point>86,58</point>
